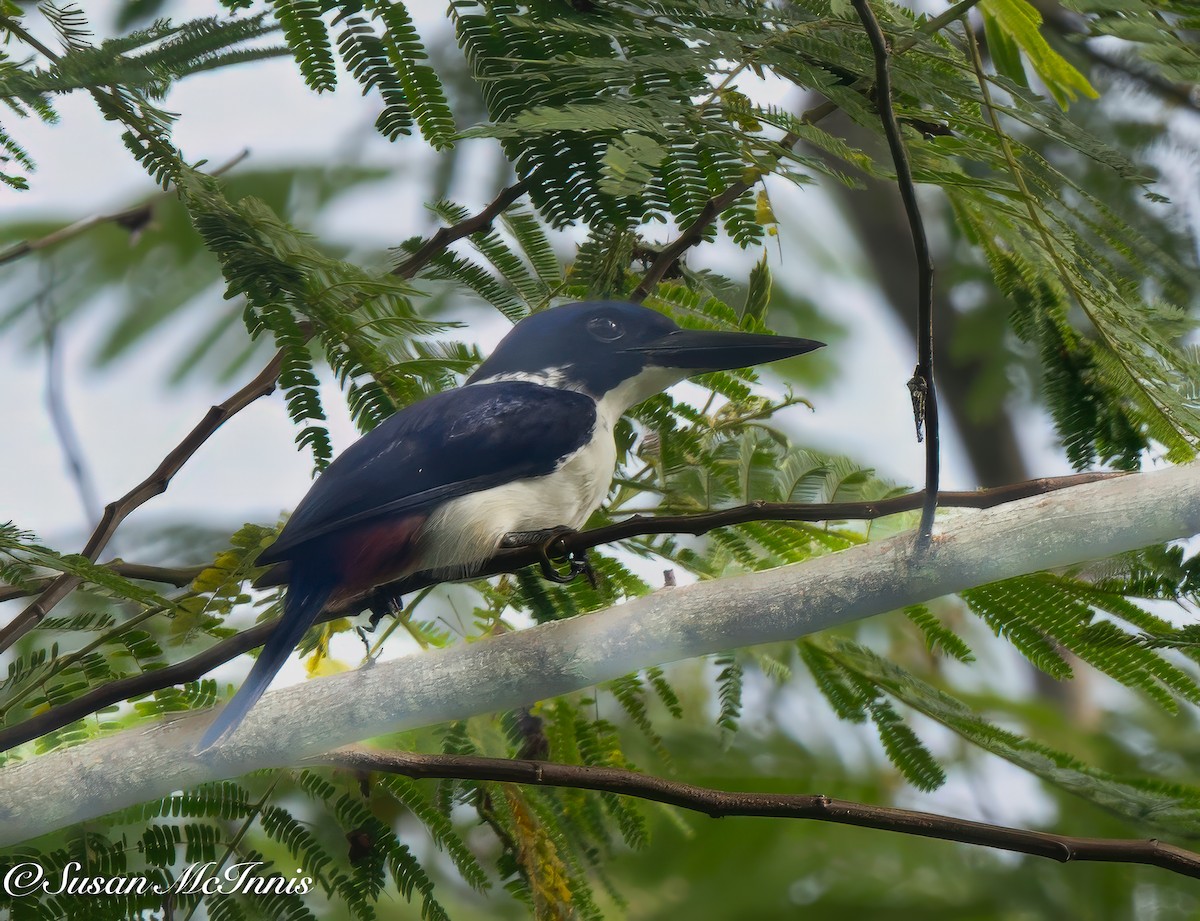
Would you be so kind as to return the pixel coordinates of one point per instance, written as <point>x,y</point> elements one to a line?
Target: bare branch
<point>720,803</point>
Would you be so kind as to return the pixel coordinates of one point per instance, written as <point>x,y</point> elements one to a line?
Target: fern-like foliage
<point>124,75</point>
<point>382,51</point>
<point>90,649</point>
<point>1043,614</point>
<point>291,288</point>
<point>147,60</point>
<point>858,699</point>
<point>638,150</point>
<point>620,119</point>
<point>937,636</point>
<point>16,155</point>
<point>309,40</point>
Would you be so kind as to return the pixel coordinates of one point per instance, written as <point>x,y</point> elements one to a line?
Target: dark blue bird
<point>525,445</point>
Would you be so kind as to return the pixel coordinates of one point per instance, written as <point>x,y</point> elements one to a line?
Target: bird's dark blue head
<point>624,350</point>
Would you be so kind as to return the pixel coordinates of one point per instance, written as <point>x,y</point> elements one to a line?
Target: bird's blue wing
<point>450,444</point>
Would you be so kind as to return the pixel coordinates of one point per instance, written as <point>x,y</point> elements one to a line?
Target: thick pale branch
<point>1071,526</point>
<point>509,560</point>
<point>814,806</point>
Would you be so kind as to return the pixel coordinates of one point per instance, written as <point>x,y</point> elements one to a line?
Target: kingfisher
<point>525,445</point>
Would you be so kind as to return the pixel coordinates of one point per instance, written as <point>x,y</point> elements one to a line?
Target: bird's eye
<point>605,328</point>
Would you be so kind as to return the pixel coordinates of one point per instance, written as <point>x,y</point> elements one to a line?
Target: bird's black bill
<point>709,350</point>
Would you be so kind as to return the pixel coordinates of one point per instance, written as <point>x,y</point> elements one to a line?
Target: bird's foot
<point>384,604</point>
<point>578,564</point>
<point>381,603</point>
<point>552,550</point>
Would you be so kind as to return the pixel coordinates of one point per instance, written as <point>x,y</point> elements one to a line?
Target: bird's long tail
<point>306,597</point>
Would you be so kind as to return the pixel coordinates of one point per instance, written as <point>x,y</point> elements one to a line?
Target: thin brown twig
<point>464,228</point>
<point>155,484</point>
<point>510,560</point>
<point>167,575</point>
<point>694,232</point>
<point>922,384</point>
<point>721,803</point>
<point>122,689</point>
<point>133,217</point>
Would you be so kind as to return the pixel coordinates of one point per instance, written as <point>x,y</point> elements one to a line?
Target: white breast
<point>468,529</point>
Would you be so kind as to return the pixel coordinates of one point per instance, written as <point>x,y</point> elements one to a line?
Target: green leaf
<point>307,37</point>
<point>729,684</point>
<point>905,750</point>
<point>938,636</point>
<point>1004,51</point>
<point>758,293</point>
<point>1019,21</point>
<point>423,90</point>
<point>629,163</point>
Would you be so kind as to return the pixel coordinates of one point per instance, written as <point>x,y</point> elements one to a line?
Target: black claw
<point>384,604</point>
<point>578,565</point>
<point>554,575</point>
<point>551,551</point>
<point>582,564</point>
